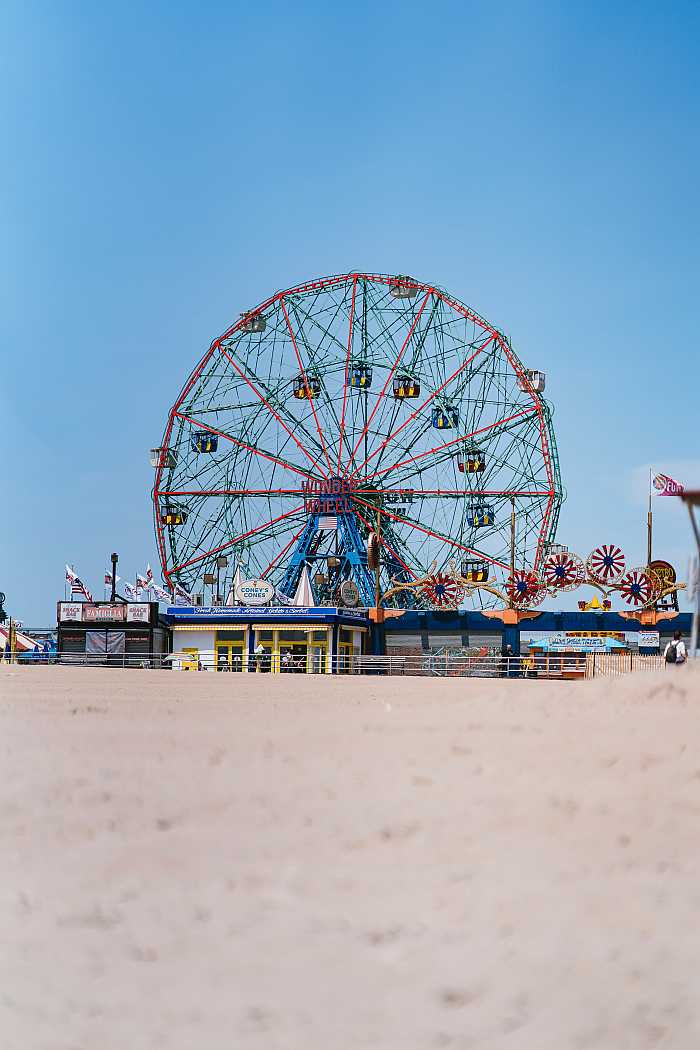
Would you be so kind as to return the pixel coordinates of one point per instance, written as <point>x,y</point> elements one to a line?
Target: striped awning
<point>290,627</point>
<point>208,627</point>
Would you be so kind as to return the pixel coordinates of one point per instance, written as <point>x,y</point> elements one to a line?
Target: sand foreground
<point>215,862</point>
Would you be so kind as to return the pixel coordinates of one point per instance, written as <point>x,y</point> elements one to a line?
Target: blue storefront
<point>426,630</point>
<point>326,640</point>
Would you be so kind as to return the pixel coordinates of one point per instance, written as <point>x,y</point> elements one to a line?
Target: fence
<point>447,663</point>
<point>609,665</point>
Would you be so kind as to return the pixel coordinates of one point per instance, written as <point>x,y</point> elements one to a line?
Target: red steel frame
<point>319,285</point>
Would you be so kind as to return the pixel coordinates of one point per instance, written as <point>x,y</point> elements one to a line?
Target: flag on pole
<point>142,583</point>
<point>131,591</point>
<point>76,584</point>
<point>108,579</point>
<point>666,486</point>
<point>161,594</point>
<point>181,596</point>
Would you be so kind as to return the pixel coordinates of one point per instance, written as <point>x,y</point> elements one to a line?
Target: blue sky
<point>168,165</point>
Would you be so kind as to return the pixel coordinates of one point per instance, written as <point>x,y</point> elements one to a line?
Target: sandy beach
<point>200,862</point>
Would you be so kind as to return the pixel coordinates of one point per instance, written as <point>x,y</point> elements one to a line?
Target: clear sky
<point>166,165</point>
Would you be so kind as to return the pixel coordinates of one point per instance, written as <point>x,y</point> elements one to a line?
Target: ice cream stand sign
<point>254,592</point>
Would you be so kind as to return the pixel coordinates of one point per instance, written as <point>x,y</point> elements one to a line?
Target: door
<point>317,658</point>
<point>229,656</point>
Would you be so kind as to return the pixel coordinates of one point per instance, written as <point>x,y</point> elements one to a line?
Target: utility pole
<point>377,571</point>
<point>11,640</point>
<point>512,543</point>
<point>649,524</point>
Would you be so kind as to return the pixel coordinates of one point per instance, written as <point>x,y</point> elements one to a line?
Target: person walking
<point>675,652</point>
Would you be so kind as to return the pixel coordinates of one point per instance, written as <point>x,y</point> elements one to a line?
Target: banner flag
<point>181,596</point>
<point>161,594</point>
<point>131,591</point>
<point>666,486</point>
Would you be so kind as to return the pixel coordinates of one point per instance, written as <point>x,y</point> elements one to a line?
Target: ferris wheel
<point>351,405</point>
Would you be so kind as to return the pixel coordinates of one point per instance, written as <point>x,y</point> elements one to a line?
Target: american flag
<point>76,584</point>
<point>78,587</point>
<point>328,523</point>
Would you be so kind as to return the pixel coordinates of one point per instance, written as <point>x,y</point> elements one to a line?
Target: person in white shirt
<point>675,652</point>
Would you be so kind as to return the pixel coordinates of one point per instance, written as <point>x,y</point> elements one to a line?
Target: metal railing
<point>447,663</point>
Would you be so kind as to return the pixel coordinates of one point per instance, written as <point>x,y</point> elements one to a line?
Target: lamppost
<point>114,558</point>
<point>221,563</point>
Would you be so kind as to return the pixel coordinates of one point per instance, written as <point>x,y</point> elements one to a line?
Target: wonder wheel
<point>351,404</point>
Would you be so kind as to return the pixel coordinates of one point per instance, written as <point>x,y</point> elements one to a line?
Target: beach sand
<point>225,862</point>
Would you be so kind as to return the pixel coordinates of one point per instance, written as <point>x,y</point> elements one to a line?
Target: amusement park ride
<point>374,429</point>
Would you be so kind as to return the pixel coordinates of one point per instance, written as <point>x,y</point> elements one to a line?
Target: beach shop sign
<point>85,612</point>
<point>581,642</point>
<point>254,592</point>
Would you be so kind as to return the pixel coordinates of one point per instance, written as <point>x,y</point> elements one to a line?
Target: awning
<point>210,627</point>
<point>291,627</point>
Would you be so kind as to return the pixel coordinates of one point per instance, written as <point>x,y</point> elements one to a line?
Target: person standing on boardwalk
<point>675,652</point>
